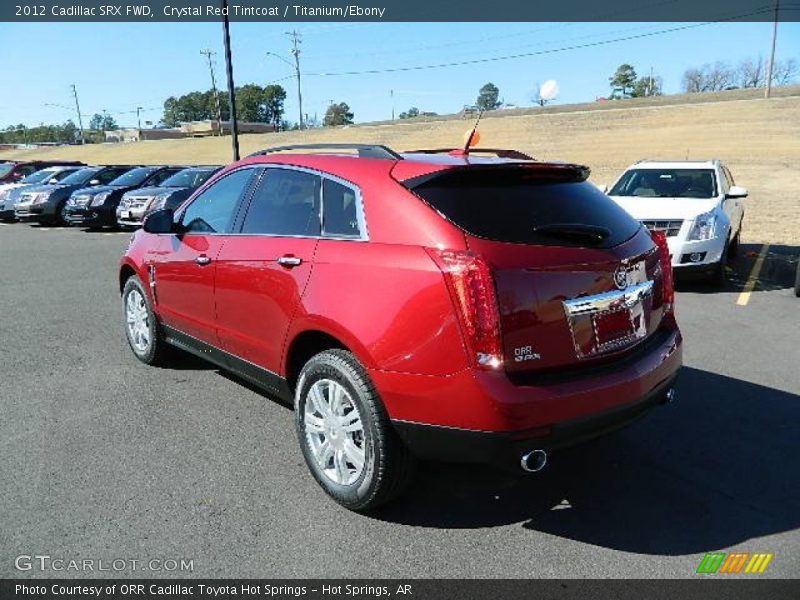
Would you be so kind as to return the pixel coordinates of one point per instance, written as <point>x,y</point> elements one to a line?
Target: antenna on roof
<point>473,134</point>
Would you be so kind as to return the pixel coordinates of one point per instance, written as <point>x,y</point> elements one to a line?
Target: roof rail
<point>499,152</point>
<point>364,150</point>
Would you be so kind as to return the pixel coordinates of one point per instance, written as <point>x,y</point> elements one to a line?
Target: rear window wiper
<point>595,233</point>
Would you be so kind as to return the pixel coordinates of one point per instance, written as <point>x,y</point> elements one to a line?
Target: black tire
<point>387,465</point>
<point>733,249</point>
<point>718,276</point>
<point>156,351</point>
<point>797,280</point>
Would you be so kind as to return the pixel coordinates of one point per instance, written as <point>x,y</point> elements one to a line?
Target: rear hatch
<point>578,280</point>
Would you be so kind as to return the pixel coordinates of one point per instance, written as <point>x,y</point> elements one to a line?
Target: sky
<point>117,67</point>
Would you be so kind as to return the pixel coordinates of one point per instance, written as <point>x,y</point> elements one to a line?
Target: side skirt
<point>258,376</point>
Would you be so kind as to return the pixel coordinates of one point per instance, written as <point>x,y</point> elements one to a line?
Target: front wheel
<point>718,276</point>
<point>345,435</point>
<point>141,326</point>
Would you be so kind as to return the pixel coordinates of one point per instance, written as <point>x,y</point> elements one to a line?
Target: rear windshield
<point>38,176</point>
<point>133,177</point>
<point>666,183</point>
<point>189,178</point>
<point>6,168</point>
<point>79,177</point>
<point>526,208</point>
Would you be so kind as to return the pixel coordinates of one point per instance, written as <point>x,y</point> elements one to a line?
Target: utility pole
<point>78,108</point>
<point>296,41</point>
<point>138,117</point>
<point>209,53</point>
<point>391,95</point>
<point>772,54</point>
<point>226,34</point>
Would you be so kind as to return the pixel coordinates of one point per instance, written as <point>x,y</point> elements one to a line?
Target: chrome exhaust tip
<point>533,461</point>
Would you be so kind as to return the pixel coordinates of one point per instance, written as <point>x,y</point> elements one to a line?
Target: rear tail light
<point>470,283</point>
<point>667,282</point>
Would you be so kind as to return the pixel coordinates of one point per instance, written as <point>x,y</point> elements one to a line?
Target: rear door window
<point>528,207</point>
<point>287,203</point>
<point>341,210</point>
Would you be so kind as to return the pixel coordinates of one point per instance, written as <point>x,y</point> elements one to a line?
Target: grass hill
<point>759,139</point>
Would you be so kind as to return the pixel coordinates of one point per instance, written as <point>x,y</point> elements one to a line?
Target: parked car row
<point>97,196</point>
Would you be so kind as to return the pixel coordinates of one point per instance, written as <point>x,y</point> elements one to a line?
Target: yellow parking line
<point>744,297</point>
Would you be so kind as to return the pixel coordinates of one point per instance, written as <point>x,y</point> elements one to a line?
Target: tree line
<point>749,73</point>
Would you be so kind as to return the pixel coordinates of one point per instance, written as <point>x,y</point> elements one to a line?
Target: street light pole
<point>231,88</point>
<point>138,117</point>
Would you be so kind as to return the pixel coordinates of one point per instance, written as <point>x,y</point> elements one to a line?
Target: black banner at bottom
<point>410,589</point>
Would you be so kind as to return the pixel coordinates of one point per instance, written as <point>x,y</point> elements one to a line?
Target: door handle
<point>289,261</point>
<point>202,260</point>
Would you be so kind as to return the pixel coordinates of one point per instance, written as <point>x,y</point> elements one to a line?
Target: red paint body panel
<point>402,314</point>
<point>256,298</point>
<point>185,289</point>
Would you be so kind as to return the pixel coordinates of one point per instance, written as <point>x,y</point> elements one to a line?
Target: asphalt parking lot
<point>106,458</point>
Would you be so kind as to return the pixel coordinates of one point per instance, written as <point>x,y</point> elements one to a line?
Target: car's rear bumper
<point>505,449</point>
<point>546,408</point>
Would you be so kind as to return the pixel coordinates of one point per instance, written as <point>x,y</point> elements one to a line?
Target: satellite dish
<point>548,90</point>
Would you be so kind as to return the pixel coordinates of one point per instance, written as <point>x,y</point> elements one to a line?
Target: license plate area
<point>610,321</point>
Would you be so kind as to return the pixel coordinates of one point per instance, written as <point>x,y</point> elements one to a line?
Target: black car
<point>44,203</point>
<point>97,206</point>
<point>138,203</point>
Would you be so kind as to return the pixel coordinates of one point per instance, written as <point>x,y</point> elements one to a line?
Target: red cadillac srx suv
<point>468,306</point>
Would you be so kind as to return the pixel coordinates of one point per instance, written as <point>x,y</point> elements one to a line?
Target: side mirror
<point>53,181</point>
<point>159,221</point>
<point>94,182</point>
<point>737,191</point>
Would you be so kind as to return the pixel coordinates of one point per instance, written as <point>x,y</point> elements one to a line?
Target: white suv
<point>696,203</point>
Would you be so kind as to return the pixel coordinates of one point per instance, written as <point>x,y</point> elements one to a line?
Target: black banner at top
<point>399,11</point>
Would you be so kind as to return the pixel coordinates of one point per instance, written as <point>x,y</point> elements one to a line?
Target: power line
<point>534,53</point>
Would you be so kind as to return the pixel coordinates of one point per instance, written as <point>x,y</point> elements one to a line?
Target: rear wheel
<point>141,326</point>
<point>345,435</point>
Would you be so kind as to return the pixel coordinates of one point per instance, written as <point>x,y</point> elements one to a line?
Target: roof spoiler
<point>498,152</point>
<point>363,150</point>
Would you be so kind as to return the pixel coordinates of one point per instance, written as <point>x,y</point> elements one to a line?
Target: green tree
<point>488,97</point>
<point>410,113</point>
<point>338,114</point>
<point>622,81</point>
<point>646,86</point>
<point>274,97</point>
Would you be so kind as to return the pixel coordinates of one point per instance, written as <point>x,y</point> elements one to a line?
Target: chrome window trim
<point>263,168</point>
<point>360,214</point>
